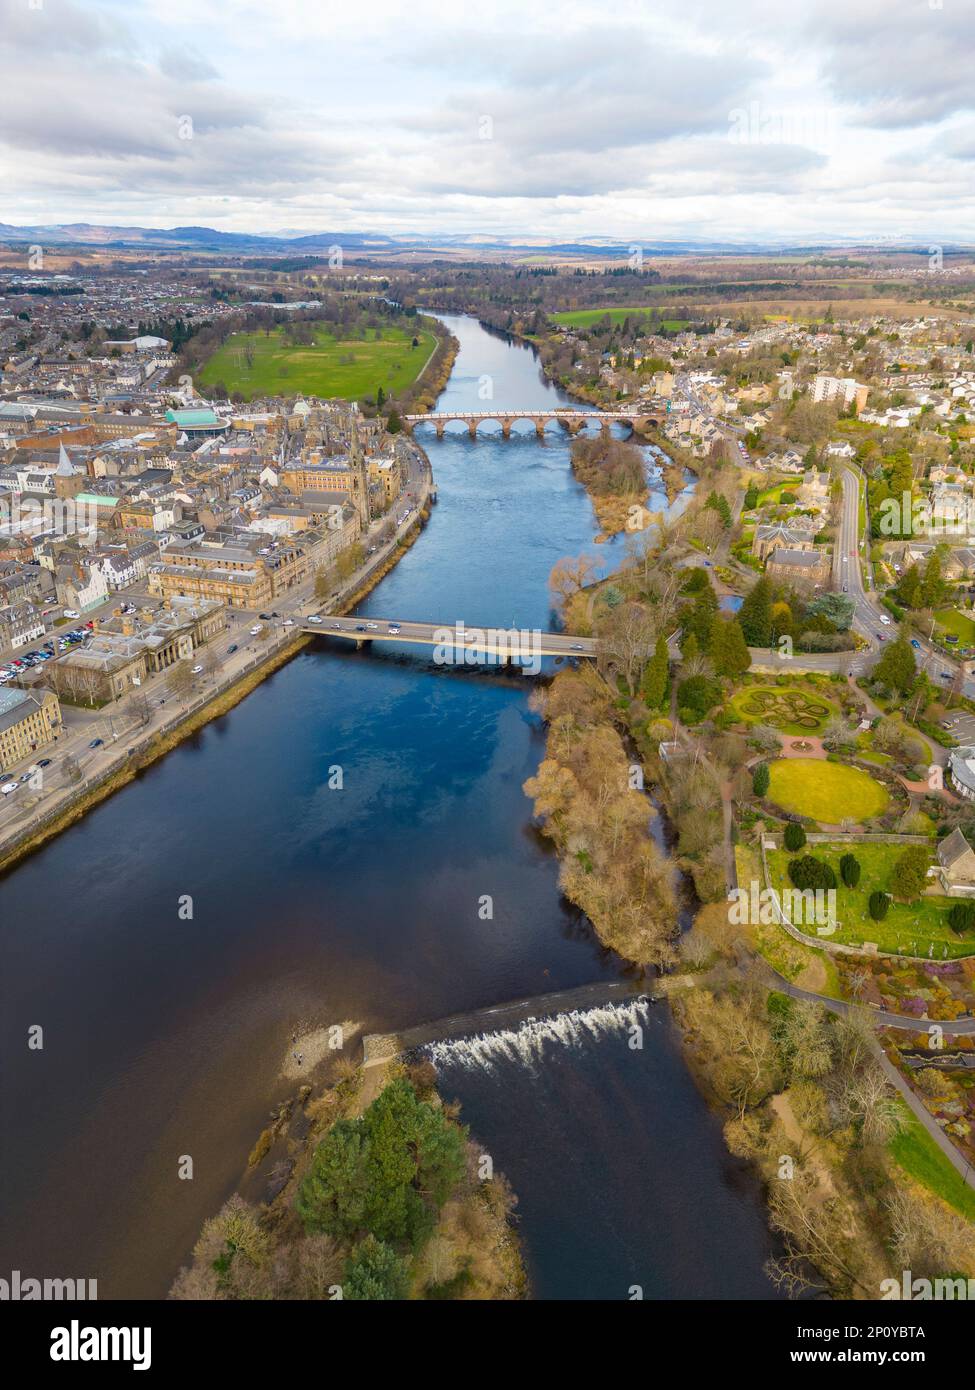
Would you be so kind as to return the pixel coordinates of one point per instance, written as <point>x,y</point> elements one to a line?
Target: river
<point>164,1036</point>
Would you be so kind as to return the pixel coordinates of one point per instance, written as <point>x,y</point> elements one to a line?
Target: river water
<point>164,1037</point>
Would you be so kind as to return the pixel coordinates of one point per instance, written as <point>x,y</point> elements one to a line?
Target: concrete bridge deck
<point>498,642</point>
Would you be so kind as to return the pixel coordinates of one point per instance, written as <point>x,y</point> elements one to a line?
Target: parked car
<point>915,644</point>
<point>232,648</point>
<point>71,613</point>
<point>196,670</point>
<point>96,743</point>
<point>8,788</point>
<point>255,629</point>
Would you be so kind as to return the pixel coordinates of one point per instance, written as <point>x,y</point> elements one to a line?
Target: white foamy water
<point>526,1044</point>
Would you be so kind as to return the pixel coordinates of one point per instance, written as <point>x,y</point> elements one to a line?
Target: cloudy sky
<point>643,121</point>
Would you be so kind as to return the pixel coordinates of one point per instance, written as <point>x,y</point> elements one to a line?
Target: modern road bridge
<point>505,643</point>
<point>572,420</point>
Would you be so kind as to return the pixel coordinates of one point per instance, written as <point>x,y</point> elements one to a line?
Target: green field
<point>348,369</point>
<point>585,318</point>
<point>825,791</point>
<point>910,927</point>
<point>958,623</point>
<point>919,1155</point>
<point>788,709</point>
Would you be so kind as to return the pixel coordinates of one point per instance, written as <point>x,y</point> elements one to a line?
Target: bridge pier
<point>505,429</point>
<point>440,428</point>
<point>604,428</point>
<point>472,428</point>
<point>540,428</point>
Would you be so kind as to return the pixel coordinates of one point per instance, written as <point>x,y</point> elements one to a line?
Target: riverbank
<point>150,749</point>
<point>367,1188</point>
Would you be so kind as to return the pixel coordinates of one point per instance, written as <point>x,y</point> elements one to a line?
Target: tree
<point>810,872</point>
<point>755,614</point>
<point>386,1173</point>
<point>961,917</point>
<point>878,905</point>
<point>795,836</point>
<point>850,870</point>
<point>656,676</point>
<point>181,679</point>
<point>374,1271</point>
<point>896,668</point>
<point>728,649</point>
<point>760,779</point>
<point>910,874</point>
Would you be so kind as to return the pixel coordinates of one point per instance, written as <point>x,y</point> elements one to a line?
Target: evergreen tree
<point>896,668</point>
<point>909,588</point>
<point>850,870</point>
<point>375,1272</point>
<point>760,779</point>
<point>910,873</point>
<point>655,687</point>
<point>698,617</point>
<point>728,649</point>
<point>795,836</point>
<point>755,614</point>
<point>878,906</point>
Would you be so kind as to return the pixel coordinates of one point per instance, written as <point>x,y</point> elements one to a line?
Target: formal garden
<point>789,709</point>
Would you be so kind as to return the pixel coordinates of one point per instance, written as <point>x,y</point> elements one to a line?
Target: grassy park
<point>919,1155</point>
<point>585,318</point>
<point>914,928</point>
<point>825,791</point>
<point>256,364</point>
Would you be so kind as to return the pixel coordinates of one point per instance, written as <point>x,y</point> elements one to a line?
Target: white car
<point>8,787</point>
<point>70,613</point>
<point>196,670</point>
<point>288,622</point>
<point>885,620</point>
<point>373,627</point>
<point>255,630</point>
<point>314,618</point>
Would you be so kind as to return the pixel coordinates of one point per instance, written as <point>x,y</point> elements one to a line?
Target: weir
<point>558,1015</point>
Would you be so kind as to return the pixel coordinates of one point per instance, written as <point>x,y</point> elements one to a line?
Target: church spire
<point>361,477</point>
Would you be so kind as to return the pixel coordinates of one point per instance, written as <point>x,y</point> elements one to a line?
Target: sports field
<point>585,318</point>
<point>347,369</point>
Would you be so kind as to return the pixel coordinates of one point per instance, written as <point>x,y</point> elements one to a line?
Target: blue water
<point>165,1037</point>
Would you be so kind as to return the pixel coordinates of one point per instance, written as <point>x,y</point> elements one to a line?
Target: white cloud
<point>689,117</point>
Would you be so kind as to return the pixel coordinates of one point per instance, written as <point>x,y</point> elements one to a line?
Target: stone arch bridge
<point>571,420</point>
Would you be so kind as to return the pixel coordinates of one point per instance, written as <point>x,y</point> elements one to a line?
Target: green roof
<point>185,418</point>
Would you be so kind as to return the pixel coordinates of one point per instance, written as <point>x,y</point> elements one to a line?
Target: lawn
<point>787,708</point>
<point>919,1155</point>
<point>911,927</point>
<point>348,369</point>
<point>585,318</point>
<point>958,623</point>
<point>825,791</point>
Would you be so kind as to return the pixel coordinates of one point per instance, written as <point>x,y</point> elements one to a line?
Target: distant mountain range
<point>86,234</point>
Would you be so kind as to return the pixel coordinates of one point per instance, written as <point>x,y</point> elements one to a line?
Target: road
<point>494,641</point>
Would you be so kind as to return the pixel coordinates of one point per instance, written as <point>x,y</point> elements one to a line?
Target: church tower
<point>361,476</point>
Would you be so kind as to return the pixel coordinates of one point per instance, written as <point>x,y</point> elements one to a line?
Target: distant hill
<point>86,234</point>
